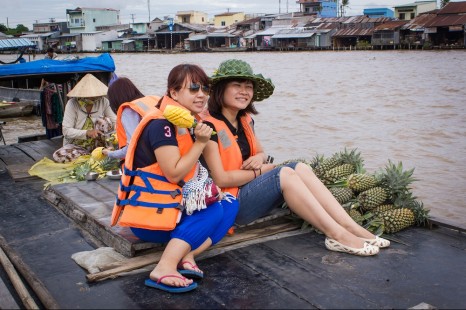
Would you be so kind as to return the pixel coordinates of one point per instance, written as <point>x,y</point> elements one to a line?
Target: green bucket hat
<point>235,68</point>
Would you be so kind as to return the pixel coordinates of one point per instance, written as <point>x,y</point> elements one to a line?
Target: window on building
<point>412,15</point>
<point>402,16</point>
<point>76,20</point>
<point>93,20</point>
<point>203,19</point>
<point>223,23</point>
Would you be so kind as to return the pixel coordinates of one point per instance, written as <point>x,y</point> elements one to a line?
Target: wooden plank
<point>444,222</point>
<point>115,269</point>
<point>19,158</point>
<point>19,172</point>
<point>34,282</point>
<point>37,149</point>
<point>6,299</point>
<point>10,155</point>
<point>29,149</point>
<point>89,204</point>
<point>21,289</point>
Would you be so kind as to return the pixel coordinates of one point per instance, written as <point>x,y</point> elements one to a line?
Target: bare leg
<point>301,201</point>
<point>171,256</point>
<point>329,203</point>
<point>191,255</point>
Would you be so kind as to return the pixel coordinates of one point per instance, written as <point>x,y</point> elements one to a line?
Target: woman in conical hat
<point>239,165</point>
<point>86,118</point>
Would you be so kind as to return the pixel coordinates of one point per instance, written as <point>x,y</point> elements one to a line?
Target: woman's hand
<point>93,133</point>
<point>253,163</point>
<point>107,150</point>
<point>203,132</point>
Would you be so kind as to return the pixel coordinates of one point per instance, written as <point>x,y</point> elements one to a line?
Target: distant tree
<point>443,3</point>
<point>20,28</point>
<point>344,4</point>
<point>3,28</point>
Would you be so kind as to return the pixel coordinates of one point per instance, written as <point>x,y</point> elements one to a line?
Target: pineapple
<point>299,160</point>
<point>397,219</point>
<point>359,182</point>
<point>351,157</point>
<point>356,216</point>
<point>97,153</point>
<point>320,165</point>
<point>342,194</point>
<point>81,170</point>
<point>372,198</point>
<point>108,164</point>
<point>382,208</point>
<point>338,173</point>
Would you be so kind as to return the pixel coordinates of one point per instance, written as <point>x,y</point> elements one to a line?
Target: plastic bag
<point>56,173</point>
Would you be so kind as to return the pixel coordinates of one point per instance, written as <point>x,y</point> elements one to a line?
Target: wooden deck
<point>88,203</point>
<point>268,265</point>
<point>18,158</point>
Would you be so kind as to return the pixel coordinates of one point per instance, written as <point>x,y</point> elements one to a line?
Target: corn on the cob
<point>180,117</point>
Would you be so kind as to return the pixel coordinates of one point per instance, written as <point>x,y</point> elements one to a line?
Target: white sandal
<point>367,250</point>
<point>380,242</point>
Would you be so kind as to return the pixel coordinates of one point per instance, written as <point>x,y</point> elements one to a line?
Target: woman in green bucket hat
<point>239,165</point>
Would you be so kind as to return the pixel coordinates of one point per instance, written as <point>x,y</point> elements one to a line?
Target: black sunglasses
<point>194,88</point>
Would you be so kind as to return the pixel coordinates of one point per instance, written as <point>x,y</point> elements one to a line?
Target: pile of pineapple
<point>96,162</point>
<point>382,202</point>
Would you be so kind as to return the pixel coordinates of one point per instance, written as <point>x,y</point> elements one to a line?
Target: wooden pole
<point>37,286</point>
<point>118,268</point>
<point>22,291</point>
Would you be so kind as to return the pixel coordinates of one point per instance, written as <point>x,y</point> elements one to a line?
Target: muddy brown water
<point>406,106</point>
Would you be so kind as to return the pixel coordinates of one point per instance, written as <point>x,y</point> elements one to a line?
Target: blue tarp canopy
<point>55,68</point>
<point>15,44</point>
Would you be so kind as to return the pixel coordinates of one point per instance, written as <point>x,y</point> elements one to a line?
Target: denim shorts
<point>260,196</point>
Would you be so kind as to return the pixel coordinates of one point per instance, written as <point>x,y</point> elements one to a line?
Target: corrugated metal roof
<point>220,35</point>
<point>393,25</point>
<point>354,32</point>
<point>454,8</point>
<point>270,31</point>
<point>197,37</point>
<point>446,20</point>
<point>293,35</point>
<point>418,23</point>
<point>14,44</point>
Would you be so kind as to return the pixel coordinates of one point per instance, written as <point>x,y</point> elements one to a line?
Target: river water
<point>407,106</point>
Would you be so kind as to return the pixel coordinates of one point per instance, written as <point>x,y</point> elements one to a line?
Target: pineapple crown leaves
<point>396,181</point>
<point>393,176</point>
<point>375,225</point>
<point>351,157</point>
<point>421,214</point>
<point>316,160</point>
<point>299,160</point>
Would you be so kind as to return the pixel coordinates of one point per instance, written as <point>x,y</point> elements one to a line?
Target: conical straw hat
<point>88,86</point>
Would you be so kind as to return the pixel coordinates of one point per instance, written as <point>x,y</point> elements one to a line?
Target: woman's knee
<point>302,167</point>
<point>287,174</point>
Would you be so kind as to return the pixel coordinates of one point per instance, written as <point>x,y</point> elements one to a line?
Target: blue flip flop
<point>192,274</point>
<point>168,288</point>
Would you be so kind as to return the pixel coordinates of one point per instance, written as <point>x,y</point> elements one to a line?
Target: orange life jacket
<point>230,152</point>
<point>142,106</point>
<point>146,199</point>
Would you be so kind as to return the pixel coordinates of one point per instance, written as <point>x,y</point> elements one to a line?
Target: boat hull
<point>15,109</point>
